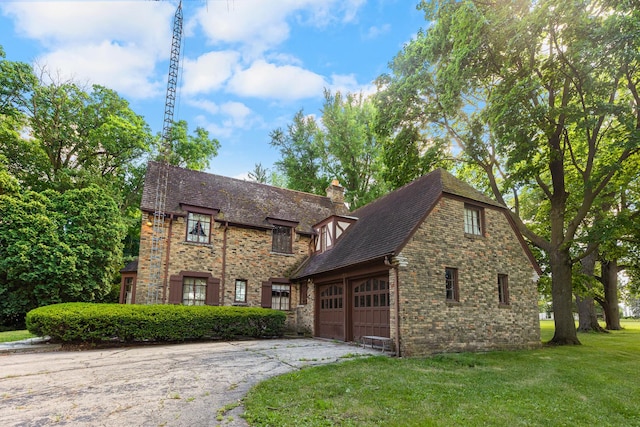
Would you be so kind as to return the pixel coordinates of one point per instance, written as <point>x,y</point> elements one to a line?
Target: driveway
<point>164,385</point>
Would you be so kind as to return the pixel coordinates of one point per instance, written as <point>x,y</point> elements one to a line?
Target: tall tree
<point>301,154</point>
<point>189,151</point>
<point>532,92</point>
<point>353,146</point>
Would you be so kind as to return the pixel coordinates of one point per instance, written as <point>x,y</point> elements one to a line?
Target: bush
<point>95,323</point>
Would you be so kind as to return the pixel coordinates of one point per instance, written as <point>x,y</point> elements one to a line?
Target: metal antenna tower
<point>158,228</point>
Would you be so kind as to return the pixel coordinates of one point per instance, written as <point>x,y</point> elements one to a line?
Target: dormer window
<point>330,230</point>
<point>282,235</point>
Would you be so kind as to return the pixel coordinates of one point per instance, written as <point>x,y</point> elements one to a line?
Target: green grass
<point>596,384</point>
<point>9,336</point>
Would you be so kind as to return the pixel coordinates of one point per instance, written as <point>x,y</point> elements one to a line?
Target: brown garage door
<point>331,311</point>
<point>371,307</point>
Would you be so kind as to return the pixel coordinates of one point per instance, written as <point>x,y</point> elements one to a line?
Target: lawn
<point>595,384</point>
<point>9,336</point>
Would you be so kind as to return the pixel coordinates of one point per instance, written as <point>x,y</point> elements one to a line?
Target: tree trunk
<point>587,318</point>
<point>610,283</point>
<point>561,292</point>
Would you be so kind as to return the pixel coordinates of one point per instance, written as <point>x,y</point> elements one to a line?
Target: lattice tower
<point>158,237</point>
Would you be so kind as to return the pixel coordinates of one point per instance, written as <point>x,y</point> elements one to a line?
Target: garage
<point>371,307</point>
<point>367,312</point>
<point>331,313</point>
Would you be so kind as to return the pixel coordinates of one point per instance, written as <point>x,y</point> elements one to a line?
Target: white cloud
<point>349,84</point>
<point>288,82</point>
<point>115,44</point>
<point>239,114</point>
<point>124,70</point>
<point>208,72</point>
<point>60,22</point>
<point>374,32</point>
<point>206,105</point>
<point>258,25</point>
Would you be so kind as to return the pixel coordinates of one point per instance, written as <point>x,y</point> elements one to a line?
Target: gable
<point>384,226</point>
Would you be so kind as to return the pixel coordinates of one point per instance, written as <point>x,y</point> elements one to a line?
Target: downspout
<point>397,276</point>
<point>224,259</point>
<point>166,261</point>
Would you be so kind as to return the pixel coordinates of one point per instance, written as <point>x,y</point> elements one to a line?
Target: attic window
<point>473,220</point>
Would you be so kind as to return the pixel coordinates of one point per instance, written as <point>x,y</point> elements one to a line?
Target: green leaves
<point>57,247</point>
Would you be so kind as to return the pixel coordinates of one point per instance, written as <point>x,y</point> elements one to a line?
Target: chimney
<point>336,192</point>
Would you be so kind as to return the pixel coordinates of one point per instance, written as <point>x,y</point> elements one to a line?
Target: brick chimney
<point>336,193</point>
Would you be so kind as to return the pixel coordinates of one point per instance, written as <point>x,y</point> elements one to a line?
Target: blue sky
<point>247,66</point>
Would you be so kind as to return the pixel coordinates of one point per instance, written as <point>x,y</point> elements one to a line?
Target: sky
<point>246,66</point>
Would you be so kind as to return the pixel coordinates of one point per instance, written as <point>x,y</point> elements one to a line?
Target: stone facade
<point>428,323</point>
<point>405,239</point>
<point>234,252</point>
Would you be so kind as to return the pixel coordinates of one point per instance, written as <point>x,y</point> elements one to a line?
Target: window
<point>281,239</point>
<point>473,220</point>
<point>194,290</point>
<point>303,293</point>
<point>451,284</point>
<point>128,290</point>
<point>241,291</point>
<point>198,227</point>
<point>503,289</point>
<point>280,296</point>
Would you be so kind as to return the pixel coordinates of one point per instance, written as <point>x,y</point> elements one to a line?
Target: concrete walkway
<point>163,385</point>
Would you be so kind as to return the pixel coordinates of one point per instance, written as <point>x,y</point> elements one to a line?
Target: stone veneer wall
<point>248,257</point>
<point>428,323</point>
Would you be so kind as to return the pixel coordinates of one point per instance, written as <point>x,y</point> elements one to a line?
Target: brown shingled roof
<point>385,225</point>
<point>239,202</point>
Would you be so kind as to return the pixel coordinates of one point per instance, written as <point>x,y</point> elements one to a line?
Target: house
<point>434,266</point>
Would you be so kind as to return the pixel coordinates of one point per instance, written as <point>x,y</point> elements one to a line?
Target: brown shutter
<point>175,289</point>
<point>266,294</point>
<point>213,292</point>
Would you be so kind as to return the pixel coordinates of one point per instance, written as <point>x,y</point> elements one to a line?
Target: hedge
<point>95,323</point>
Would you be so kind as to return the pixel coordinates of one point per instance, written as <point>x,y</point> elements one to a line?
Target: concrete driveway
<point>167,385</point>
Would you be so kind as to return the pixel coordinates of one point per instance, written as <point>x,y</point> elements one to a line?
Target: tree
<point>302,154</point>
<point>56,247</point>
<point>188,151</point>
<point>353,147</point>
<point>259,174</point>
<point>532,93</point>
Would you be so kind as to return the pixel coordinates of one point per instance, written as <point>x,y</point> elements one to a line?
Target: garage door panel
<point>371,307</point>
<point>331,311</point>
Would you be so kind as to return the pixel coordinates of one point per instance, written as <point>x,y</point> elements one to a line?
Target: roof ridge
<point>242,180</point>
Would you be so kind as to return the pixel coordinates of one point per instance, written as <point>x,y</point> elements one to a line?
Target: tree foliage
<point>56,247</point>
<point>542,97</point>
<point>302,154</point>
<point>188,151</point>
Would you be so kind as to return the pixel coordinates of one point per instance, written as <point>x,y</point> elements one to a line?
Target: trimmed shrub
<point>95,323</point>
